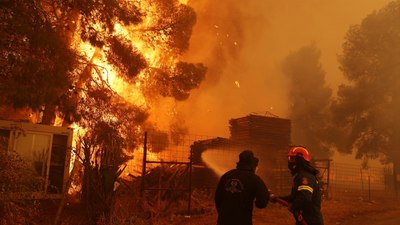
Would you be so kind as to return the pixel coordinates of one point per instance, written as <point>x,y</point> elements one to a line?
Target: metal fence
<point>162,147</point>
<point>191,162</point>
<point>367,183</point>
<point>164,166</point>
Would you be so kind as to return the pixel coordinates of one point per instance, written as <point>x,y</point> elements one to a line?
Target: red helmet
<point>300,152</point>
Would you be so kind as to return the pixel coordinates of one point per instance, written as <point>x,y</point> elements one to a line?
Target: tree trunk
<point>49,114</point>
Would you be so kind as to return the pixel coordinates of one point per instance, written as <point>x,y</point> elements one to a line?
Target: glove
<point>272,198</point>
<point>290,208</point>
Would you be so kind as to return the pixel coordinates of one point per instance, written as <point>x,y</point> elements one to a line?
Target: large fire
<point>110,69</point>
<point>155,52</point>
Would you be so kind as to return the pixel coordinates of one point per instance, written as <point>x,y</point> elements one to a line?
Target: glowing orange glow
<point>237,84</point>
<point>105,72</point>
<point>155,51</point>
<point>132,93</point>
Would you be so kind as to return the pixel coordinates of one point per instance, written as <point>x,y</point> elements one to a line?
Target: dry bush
<point>158,207</point>
<point>17,176</point>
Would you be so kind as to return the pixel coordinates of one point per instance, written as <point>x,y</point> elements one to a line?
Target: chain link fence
<point>366,183</point>
<point>188,167</point>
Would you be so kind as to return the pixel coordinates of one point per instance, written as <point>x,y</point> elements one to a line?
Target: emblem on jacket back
<point>234,186</point>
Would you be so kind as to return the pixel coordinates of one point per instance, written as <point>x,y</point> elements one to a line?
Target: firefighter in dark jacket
<point>238,190</point>
<point>305,197</point>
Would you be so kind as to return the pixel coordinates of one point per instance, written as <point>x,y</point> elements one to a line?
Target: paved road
<point>390,217</point>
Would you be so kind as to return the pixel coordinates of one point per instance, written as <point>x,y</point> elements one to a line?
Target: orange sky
<point>243,43</point>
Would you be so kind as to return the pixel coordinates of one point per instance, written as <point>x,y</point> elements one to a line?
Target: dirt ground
<point>386,217</point>
<point>345,211</point>
<point>349,210</point>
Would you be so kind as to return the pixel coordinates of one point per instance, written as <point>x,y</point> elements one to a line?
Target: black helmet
<point>247,160</point>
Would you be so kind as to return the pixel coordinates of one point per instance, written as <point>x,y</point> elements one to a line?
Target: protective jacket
<point>305,198</point>
<point>237,191</point>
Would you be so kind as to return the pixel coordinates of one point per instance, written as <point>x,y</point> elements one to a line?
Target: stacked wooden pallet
<point>269,131</point>
<point>270,137</point>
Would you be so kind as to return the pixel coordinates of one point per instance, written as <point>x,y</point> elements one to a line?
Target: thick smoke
<point>309,99</point>
<point>243,44</point>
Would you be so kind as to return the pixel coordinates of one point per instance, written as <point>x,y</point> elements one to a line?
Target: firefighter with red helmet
<point>305,197</point>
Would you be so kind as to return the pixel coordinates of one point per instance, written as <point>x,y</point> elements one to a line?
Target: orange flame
<point>105,72</point>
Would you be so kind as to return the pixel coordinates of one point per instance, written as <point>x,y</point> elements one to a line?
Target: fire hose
<point>298,215</point>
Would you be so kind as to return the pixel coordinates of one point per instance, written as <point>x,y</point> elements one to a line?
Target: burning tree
<point>98,64</point>
<point>367,107</point>
<point>37,68</point>
<point>57,54</point>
